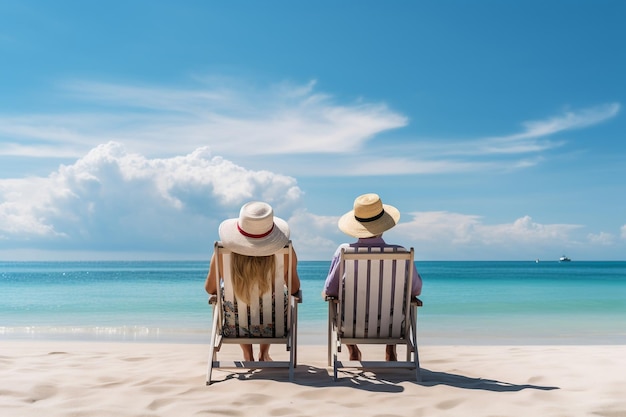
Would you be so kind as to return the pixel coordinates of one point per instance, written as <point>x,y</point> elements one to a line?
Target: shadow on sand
<point>381,381</point>
<point>433,378</point>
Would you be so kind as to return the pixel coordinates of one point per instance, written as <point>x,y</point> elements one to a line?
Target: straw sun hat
<point>369,218</point>
<point>256,232</point>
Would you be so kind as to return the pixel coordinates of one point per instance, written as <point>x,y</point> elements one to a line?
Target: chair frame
<point>218,339</point>
<point>372,266</point>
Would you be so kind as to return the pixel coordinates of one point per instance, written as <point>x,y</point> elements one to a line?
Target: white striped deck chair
<point>271,318</point>
<point>374,306</point>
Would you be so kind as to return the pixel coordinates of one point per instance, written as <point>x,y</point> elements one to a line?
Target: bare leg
<point>247,352</point>
<point>390,353</point>
<point>355,353</point>
<point>264,353</point>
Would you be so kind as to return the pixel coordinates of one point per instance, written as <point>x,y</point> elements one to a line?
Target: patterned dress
<point>236,326</point>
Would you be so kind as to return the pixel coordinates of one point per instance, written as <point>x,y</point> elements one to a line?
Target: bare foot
<point>247,353</point>
<point>355,353</point>
<point>264,352</point>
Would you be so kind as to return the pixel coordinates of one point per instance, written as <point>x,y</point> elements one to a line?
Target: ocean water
<point>464,302</point>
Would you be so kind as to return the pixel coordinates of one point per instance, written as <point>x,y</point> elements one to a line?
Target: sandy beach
<point>57,378</point>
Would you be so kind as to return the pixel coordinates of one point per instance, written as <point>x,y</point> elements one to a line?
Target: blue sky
<point>130,129</point>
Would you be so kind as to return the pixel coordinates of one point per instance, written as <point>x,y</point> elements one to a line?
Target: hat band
<point>246,234</point>
<point>370,219</point>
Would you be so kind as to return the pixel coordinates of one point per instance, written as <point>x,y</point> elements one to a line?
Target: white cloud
<point>314,235</point>
<point>535,134</point>
<point>115,200</point>
<point>164,122</point>
<point>569,120</point>
<point>445,235</point>
<point>259,127</point>
<point>130,188</point>
<point>534,138</point>
<point>432,156</point>
<point>527,231</point>
<point>442,235</point>
<point>602,238</point>
<point>623,232</point>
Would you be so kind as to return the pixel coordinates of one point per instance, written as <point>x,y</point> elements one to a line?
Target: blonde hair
<point>248,272</point>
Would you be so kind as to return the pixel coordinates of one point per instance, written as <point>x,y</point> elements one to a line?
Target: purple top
<point>331,286</point>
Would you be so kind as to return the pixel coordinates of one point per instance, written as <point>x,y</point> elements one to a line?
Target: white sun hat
<point>256,232</point>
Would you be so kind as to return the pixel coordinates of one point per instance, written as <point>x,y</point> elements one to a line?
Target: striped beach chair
<point>374,306</point>
<point>270,318</point>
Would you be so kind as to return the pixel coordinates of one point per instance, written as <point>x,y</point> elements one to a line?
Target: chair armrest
<point>416,301</point>
<point>213,299</point>
<point>298,296</point>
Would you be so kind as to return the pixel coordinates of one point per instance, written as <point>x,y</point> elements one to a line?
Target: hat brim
<point>233,240</point>
<point>352,227</point>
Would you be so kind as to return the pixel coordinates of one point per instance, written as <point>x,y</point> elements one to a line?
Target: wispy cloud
<point>530,139</point>
<point>569,120</point>
<point>250,124</point>
<point>284,119</point>
<point>535,136</point>
<point>433,156</point>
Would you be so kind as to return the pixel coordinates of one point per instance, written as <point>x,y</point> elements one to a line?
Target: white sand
<point>54,378</point>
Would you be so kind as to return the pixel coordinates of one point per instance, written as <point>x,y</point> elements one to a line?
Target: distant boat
<point>564,259</point>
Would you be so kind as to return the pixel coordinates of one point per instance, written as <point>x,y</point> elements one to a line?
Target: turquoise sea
<point>464,302</point>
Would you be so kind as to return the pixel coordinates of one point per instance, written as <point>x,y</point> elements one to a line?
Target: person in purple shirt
<point>367,222</point>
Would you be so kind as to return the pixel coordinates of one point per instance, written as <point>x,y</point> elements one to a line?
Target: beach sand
<point>57,378</point>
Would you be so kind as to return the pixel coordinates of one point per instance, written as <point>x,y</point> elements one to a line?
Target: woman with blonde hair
<point>253,238</point>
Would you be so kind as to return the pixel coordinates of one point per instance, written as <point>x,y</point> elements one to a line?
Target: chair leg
<point>212,352</point>
<point>329,332</point>
<point>209,369</point>
<point>212,357</point>
<point>418,373</point>
<point>292,360</point>
<point>293,340</point>
<point>416,358</point>
<point>295,334</point>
